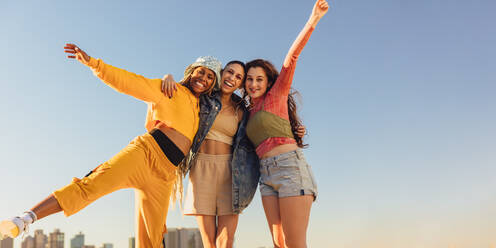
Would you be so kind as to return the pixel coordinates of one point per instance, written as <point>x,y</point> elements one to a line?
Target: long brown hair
<point>272,74</point>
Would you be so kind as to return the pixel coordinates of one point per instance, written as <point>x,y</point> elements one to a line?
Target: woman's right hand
<point>74,52</point>
<point>168,85</point>
<point>320,8</point>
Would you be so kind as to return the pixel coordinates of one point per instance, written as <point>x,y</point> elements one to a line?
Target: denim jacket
<point>245,163</point>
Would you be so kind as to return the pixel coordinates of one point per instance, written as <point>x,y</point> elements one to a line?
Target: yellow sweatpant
<point>140,165</point>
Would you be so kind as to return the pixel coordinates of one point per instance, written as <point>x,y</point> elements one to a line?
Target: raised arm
<point>319,10</point>
<point>129,83</point>
<point>283,84</point>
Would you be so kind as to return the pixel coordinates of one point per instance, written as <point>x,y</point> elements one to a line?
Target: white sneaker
<point>12,228</point>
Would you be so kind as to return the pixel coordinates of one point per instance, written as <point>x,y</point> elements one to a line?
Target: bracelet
<point>32,214</point>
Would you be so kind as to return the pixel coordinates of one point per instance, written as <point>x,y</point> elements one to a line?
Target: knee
<point>224,239</point>
<point>295,242</point>
<point>278,237</point>
<point>208,241</point>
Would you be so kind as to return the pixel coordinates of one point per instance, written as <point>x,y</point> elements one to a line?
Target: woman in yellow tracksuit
<point>149,163</point>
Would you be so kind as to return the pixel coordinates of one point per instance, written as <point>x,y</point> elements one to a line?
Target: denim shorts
<point>287,174</point>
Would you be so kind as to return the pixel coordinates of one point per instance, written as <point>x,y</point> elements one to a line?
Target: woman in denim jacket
<point>223,162</point>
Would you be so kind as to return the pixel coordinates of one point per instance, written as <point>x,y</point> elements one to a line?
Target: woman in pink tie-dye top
<point>287,185</point>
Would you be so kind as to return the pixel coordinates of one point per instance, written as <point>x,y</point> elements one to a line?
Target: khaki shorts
<point>210,186</point>
<point>287,174</point>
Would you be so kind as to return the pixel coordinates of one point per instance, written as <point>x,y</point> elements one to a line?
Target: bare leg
<point>206,223</point>
<point>47,207</point>
<point>225,230</point>
<point>271,208</point>
<point>295,212</point>
<point>13,227</point>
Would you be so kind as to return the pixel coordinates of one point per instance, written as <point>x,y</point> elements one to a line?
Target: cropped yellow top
<point>179,112</point>
<point>225,126</point>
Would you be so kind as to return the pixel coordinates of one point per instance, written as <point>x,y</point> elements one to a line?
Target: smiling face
<point>202,79</point>
<point>232,78</point>
<point>256,82</point>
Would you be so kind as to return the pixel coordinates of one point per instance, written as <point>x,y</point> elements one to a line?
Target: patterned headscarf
<point>209,62</point>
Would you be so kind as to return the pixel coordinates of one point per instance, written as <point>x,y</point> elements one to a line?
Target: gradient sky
<point>398,98</point>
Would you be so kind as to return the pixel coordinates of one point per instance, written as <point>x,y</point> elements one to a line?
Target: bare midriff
<point>280,150</point>
<point>215,147</point>
<point>181,141</point>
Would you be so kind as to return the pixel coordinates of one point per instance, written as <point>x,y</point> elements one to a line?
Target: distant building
<point>40,239</point>
<point>171,238</point>
<point>183,238</point>
<point>77,241</point>
<point>7,243</point>
<point>56,239</point>
<point>107,245</point>
<point>190,238</point>
<point>132,242</point>
<point>28,242</point>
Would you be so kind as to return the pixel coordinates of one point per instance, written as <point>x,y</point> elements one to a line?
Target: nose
<point>204,78</point>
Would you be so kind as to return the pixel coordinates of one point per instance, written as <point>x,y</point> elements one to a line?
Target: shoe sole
<point>8,229</point>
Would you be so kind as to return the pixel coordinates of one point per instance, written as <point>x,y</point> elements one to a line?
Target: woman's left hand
<point>168,85</point>
<point>301,131</point>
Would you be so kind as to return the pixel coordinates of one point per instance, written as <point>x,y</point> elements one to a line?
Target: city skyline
<point>176,237</point>
<point>56,239</point>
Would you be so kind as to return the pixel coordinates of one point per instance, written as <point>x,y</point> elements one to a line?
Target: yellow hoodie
<point>180,112</point>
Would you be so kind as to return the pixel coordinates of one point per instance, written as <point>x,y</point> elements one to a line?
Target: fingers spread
<point>69,46</point>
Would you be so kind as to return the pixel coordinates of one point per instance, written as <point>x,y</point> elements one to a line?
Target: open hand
<point>168,85</point>
<point>74,52</point>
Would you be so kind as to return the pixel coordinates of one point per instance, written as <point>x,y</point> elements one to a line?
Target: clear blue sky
<point>398,98</point>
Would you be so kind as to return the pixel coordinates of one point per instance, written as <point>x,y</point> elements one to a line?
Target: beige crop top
<point>225,126</point>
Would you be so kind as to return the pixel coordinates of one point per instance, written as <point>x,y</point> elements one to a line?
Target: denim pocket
<point>291,161</point>
<point>286,173</point>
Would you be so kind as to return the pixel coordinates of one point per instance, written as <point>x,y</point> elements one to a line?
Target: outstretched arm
<point>319,10</point>
<point>121,80</point>
<point>284,81</point>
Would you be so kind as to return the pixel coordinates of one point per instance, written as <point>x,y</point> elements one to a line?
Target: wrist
<point>92,62</point>
<point>313,20</point>
<point>87,62</point>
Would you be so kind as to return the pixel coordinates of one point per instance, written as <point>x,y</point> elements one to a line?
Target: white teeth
<point>199,84</point>
<point>228,84</point>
